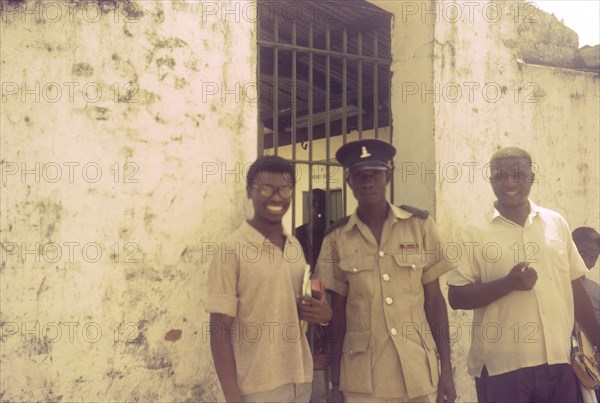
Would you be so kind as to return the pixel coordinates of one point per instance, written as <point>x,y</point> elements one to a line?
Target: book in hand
<point>305,291</point>
<point>310,288</point>
<point>316,288</point>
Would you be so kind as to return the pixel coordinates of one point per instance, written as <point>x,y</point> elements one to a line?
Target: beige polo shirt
<point>255,282</point>
<point>523,328</point>
<point>388,349</point>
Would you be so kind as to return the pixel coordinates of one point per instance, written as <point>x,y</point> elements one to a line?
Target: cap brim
<point>374,165</point>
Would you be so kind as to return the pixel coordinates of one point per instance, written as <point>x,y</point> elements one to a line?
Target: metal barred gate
<point>324,77</point>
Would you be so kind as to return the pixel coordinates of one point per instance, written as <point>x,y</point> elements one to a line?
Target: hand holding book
<point>313,307</point>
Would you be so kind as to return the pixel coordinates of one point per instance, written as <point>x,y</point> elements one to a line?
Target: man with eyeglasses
<point>521,274</point>
<point>389,315</point>
<point>259,349</point>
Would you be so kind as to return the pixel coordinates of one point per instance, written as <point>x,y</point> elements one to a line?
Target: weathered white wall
<point>412,116</point>
<point>151,213</point>
<point>180,153</point>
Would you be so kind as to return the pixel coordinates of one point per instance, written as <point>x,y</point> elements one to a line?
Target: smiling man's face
<point>268,194</point>
<point>511,180</point>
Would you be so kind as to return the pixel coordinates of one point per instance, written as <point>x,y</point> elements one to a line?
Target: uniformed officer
<point>381,266</point>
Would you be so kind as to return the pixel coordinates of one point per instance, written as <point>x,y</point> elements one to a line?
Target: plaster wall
<point>116,133</point>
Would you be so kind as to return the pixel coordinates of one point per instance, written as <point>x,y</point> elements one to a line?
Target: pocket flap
<point>357,264</point>
<point>356,342</point>
<point>411,261</point>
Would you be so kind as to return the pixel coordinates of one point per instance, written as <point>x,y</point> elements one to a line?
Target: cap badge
<point>365,153</point>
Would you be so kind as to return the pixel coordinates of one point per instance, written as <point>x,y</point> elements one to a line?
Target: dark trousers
<point>542,383</point>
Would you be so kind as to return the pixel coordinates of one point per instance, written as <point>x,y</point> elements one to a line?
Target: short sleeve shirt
<point>256,283</point>
<point>388,349</point>
<point>523,328</point>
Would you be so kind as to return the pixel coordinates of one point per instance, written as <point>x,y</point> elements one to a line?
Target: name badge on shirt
<point>408,245</point>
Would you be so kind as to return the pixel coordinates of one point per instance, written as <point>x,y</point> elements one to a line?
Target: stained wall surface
<point>126,131</point>
<point>117,129</point>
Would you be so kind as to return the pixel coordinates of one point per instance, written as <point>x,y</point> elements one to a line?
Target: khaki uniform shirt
<point>255,282</point>
<point>523,328</point>
<point>388,349</point>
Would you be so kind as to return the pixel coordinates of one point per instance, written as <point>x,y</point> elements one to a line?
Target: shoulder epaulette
<point>339,223</point>
<point>415,211</point>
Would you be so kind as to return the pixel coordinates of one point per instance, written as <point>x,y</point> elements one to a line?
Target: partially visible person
<point>521,274</point>
<point>317,334</point>
<point>260,352</point>
<point>587,241</point>
<point>317,213</point>
<point>382,270</point>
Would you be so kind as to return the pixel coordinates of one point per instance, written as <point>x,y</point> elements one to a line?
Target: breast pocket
<point>355,368</point>
<point>407,273</point>
<point>359,274</point>
<point>558,255</point>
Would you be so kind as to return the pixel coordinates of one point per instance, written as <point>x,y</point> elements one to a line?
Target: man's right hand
<point>522,277</point>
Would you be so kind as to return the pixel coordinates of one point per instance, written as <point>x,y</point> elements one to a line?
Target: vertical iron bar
<point>276,88</point>
<point>294,112</point>
<point>327,121</point>
<point>376,88</point>
<point>360,83</point>
<point>389,111</point>
<point>310,138</point>
<point>261,135</point>
<point>344,109</point>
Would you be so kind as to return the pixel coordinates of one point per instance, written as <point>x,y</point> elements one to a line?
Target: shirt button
<point>354,269</point>
<point>386,277</point>
<point>381,254</point>
<point>413,266</point>
<point>389,301</point>
<point>393,331</point>
<point>351,352</point>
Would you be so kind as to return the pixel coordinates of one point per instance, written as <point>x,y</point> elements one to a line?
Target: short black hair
<point>584,234</point>
<point>511,152</point>
<point>272,164</point>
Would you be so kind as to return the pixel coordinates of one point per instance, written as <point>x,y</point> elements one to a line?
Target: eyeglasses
<point>268,191</point>
<point>519,177</point>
